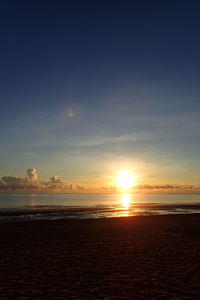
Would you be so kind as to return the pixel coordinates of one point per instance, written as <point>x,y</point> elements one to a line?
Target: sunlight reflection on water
<point>84,206</point>
<point>126,203</point>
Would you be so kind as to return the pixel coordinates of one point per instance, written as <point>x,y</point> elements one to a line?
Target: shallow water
<point>58,206</point>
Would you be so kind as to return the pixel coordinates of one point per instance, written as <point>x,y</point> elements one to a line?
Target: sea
<point>52,206</point>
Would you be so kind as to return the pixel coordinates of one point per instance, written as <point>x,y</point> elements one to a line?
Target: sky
<point>88,88</point>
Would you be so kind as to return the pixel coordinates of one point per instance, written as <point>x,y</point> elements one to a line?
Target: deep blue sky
<point>92,87</point>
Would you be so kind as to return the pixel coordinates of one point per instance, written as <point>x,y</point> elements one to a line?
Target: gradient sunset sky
<point>89,88</point>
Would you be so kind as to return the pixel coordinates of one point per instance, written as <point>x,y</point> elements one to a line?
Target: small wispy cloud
<point>153,129</point>
<point>128,137</point>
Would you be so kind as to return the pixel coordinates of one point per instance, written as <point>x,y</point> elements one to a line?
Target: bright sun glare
<point>125,180</point>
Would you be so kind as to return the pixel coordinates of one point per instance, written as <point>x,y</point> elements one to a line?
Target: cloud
<point>32,175</point>
<point>12,181</point>
<point>127,137</point>
<point>170,187</point>
<point>146,128</point>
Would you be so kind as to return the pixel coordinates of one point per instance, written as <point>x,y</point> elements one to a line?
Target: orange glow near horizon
<point>125,180</point>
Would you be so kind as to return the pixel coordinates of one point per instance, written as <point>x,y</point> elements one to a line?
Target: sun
<point>125,180</point>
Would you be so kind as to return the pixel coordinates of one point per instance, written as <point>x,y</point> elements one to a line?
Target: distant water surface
<point>55,206</point>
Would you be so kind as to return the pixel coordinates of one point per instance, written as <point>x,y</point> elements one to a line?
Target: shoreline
<point>103,208</point>
<point>101,212</point>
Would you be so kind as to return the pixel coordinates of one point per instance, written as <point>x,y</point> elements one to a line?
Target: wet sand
<point>26,211</point>
<point>154,257</point>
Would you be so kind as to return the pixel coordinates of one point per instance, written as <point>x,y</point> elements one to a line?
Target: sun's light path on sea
<point>126,204</point>
<point>126,201</point>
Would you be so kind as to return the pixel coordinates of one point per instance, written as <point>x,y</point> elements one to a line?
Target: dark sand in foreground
<point>155,257</point>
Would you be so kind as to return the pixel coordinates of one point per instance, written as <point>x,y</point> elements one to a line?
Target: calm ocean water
<point>56,206</point>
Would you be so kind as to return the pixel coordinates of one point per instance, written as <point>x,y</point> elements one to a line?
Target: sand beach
<point>151,257</point>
